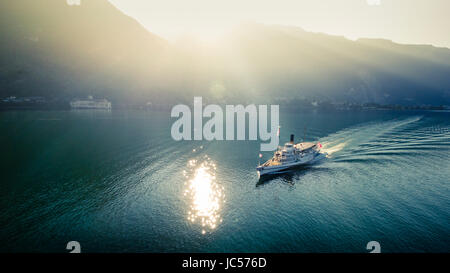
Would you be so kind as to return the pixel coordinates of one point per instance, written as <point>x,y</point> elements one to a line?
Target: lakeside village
<point>44,103</point>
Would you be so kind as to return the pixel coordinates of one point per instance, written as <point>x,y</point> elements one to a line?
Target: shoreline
<point>163,109</point>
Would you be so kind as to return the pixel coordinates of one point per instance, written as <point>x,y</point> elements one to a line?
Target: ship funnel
<point>292,139</point>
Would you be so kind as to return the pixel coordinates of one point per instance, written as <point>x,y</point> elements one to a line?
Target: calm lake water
<point>117,182</point>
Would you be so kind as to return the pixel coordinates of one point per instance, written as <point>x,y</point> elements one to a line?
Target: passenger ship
<point>90,103</point>
<point>291,155</point>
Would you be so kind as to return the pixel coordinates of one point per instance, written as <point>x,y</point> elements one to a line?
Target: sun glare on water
<point>206,196</point>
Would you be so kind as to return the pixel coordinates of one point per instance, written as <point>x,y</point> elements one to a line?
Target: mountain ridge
<point>56,50</point>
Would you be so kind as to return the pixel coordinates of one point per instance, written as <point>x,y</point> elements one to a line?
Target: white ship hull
<point>90,104</point>
<point>280,168</point>
<point>91,107</point>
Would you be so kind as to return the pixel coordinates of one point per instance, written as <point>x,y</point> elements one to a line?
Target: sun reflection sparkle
<point>205,193</point>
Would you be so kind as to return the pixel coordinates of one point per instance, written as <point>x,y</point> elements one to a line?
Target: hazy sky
<point>403,21</point>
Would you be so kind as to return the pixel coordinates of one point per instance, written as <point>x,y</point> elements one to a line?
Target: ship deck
<point>305,145</point>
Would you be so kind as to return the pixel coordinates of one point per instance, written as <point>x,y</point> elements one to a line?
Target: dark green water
<point>117,182</point>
